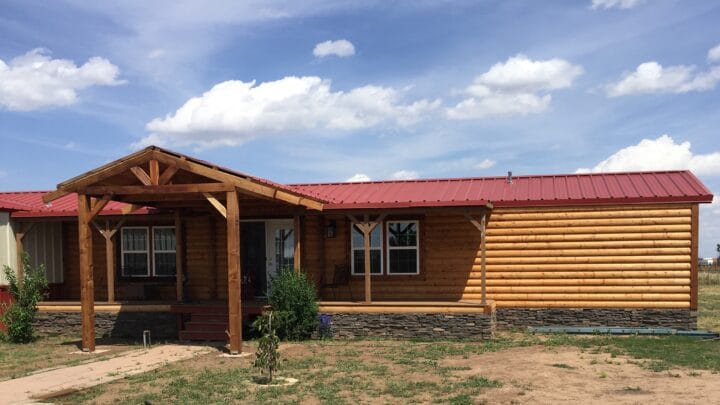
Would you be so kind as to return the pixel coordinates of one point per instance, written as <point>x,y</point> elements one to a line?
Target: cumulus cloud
<point>662,153</point>
<point>233,112</point>
<point>405,175</point>
<point>34,80</point>
<point>651,77</point>
<point>485,164</point>
<point>714,54</point>
<point>358,177</point>
<point>340,47</point>
<point>518,86</point>
<point>615,3</point>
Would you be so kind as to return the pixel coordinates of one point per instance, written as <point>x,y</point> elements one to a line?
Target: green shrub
<point>267,356</point>
<point>26,293</point>
<point>293,299</point>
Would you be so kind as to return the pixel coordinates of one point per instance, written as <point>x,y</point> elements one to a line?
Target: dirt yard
<point>515,369</point>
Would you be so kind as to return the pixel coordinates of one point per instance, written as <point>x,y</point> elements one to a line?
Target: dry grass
<point>709,300</point>
<point>17,360</point>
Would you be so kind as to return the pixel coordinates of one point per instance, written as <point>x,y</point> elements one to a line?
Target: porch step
<point>203,335</point>
<point>197,326</point>
<point>202,317</point>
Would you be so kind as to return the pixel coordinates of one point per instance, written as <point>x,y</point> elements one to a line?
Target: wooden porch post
<point>179,274</point>
<point>19,236</point>
<point>366,244</point>
<point>297,258</point>
<point>481,226</point>
<point>234,273</point>
<point>109,233</point>
<point>87,289</point>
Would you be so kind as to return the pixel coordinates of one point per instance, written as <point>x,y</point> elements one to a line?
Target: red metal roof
<point>30,204</point>
<point>545,190</point>
<point>567,189</point>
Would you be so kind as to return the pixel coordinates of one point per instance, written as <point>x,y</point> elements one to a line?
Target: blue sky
<point>398,90</point>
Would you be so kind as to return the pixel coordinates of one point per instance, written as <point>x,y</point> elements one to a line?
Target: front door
<point>279,245</point>
<point>253,257</point>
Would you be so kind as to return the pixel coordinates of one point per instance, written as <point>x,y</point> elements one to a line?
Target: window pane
<point>134,239</point>
<point>375,237</point>
<point>403,261</point>
<point>164,238</point>
<point>284,248</point>
<point>164,264</point>
<point>135,264</point>
<point>359,261</point>
<point>402,233</point>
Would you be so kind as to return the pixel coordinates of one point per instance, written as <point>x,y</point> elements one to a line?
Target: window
<point>164,251</point>
<point>402,247</point>
<point>135,260</point>
<point>140,258</point>
<point>358,251</point>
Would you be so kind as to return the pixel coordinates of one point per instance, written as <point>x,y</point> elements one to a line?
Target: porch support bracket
<point>366,226</point>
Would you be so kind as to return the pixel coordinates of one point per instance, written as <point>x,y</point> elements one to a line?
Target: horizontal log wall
<point>575,257</point>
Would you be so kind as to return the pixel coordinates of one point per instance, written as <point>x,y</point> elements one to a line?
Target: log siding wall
<point>570,257</point>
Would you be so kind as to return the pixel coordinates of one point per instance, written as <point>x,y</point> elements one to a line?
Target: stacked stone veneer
<point>162,325</point>
<point>413,325</point>
<point>684,319</point>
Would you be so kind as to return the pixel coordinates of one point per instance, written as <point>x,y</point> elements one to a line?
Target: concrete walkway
<point>69,379</point>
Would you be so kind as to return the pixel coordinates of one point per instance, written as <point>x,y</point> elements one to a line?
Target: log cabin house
<point>164,242</point>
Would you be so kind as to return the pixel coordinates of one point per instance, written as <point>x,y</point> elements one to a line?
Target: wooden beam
<point>234,274</point>
<point>108,232</point>
<point>694,232</point>
<point>141,175</point>
<point>86,274</point>
<point>244,185</point>
<point>25,227</point>
<point>483,254</point>
<point>98,174</point>
<point>297,257</point>
<point>154,172</point>
<point>98,206</point>
<point>164,189</point>
<point>179,273</point>
<point>217,204</point>
<point>167,175</point>
<point>366,242</point>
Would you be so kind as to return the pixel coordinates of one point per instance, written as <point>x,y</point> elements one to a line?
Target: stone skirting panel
<point>414,325</point>
<point>163,325</point>
<point>684,319</point>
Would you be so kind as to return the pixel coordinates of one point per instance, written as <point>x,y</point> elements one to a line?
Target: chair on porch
<point>341,278</point>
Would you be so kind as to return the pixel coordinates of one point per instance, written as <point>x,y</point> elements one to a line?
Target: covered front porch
<point>159,232</point>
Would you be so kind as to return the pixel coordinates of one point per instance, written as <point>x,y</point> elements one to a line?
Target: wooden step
<point>209,318</point>
<point>206,326</point>
<point>203,335</point>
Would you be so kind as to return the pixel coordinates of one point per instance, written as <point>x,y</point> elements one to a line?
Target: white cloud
<point>405,175</point>
<point>34,80</point>
<point>340,47</point>
<point>517,87</point>
<point>714,54</point>
<point>485,164</point>
<point>615,3</point>
<point>659,154</point>
<point>358,177</point>
<point>651,77</point>
<point>157,53</point>
<point>233,112</point>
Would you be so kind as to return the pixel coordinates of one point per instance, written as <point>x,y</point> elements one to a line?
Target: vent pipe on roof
<point>509,178</point>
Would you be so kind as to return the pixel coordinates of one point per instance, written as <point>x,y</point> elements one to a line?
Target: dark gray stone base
<point>414,325</point>
<point>162,325</point>
<point>684,319</point>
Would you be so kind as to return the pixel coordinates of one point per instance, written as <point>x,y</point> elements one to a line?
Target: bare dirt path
<point>68,379</point>
<point>541,375</point>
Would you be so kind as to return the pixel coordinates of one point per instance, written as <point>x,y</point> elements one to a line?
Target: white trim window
<point>403,247</point>
<point>135,251</point>
<point>357,251</point>
<point>164,251</point>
